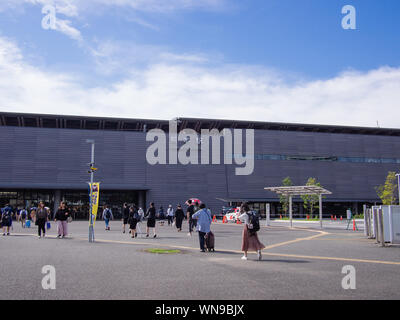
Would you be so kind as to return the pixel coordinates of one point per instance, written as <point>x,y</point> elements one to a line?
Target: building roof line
<point>137,124</point>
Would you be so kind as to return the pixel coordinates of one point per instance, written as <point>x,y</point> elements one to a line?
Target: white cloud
<point>72,7</point>
<point>64,26</point>
<point>169,89</point>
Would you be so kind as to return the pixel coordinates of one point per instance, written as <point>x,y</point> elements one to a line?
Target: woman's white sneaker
<point>244,258</point>
<point>259,255</point>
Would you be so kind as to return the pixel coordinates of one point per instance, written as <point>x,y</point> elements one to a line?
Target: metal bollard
<point>381,229</point>
<point>375,219</point>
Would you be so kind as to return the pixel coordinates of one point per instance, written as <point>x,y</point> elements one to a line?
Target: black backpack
<point>6,215</point>
<point>254,223</point>
<point>108,214</point>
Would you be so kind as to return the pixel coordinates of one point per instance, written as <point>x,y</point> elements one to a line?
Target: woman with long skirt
<point>250,241</point>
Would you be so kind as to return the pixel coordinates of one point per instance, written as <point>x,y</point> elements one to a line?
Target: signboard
<point>94,199</point>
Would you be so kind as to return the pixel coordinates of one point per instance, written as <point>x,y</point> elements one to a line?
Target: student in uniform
<point>151,220</point>
<point>6,219</point>
<point>179,216</point>
<point>134,218</point>
<point>125,216</point>
<point>23,214</point>
<point>107,216</point>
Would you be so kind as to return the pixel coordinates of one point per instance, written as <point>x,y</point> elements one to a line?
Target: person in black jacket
<point>41,219</point>
<point>134,218</point>
<point>179,216</point>
<point>61,218</point>
<point>125,216</point>
<point>151,220</point>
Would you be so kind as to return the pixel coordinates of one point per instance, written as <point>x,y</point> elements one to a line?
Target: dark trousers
<point>192,224</point>
<point>201,239</point>
<point>170,219</point>
<point>41,227</point>
<point>179,223</point>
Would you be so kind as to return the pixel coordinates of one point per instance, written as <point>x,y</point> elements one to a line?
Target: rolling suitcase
<point>210,241</point>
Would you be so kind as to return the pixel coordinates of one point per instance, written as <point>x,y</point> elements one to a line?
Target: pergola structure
<point>291,191</point>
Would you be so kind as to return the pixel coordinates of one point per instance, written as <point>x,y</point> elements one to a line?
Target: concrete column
<point>142,200</point>
<point>290,211</point>
<point>57,199</point>
<point>267,214</point>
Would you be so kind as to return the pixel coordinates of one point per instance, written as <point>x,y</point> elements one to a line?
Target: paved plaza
<point>303,262</point>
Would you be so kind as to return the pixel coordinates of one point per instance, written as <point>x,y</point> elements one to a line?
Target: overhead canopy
<point>291,191</point>
<point>298,190</point>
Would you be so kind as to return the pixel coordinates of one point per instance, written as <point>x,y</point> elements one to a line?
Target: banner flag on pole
<point>95,199</point>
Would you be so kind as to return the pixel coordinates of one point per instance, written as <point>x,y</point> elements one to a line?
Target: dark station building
<point>45,157</point>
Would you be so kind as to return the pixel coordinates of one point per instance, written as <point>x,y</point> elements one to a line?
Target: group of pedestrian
<point>198,216</point>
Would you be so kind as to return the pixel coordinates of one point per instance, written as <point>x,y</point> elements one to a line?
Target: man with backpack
<point>107,216</point>
<point>250,240</point>
<point>6,219</point>
<point>23,214</point>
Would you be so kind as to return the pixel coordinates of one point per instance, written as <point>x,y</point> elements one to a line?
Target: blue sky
<point>270,60</point>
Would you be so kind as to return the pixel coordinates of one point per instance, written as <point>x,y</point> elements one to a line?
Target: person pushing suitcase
<point>204,220</point>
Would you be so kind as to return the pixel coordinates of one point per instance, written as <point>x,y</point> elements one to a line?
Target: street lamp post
<point>398,184</point>
<point>91,229</point>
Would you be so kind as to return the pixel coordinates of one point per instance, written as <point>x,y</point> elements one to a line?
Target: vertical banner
<point>95,199</point>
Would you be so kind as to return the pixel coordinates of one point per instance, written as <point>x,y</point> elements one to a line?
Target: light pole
<point>398,184</point>
<point>91,171</point>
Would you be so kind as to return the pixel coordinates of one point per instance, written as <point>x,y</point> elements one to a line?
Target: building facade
<point>45,157</point>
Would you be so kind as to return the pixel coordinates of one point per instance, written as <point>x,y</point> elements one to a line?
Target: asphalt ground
<point>298,263</point>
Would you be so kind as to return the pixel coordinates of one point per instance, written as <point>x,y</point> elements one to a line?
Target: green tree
<point>310,201</point>
<point>284,200</point>
<point>388,191</point>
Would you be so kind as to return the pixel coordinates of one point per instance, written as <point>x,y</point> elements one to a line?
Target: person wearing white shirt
<point>170,215</point>
<point>250,241</point>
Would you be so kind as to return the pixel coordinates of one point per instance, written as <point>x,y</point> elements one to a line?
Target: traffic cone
<point>308,217</point>
<point>224,220</point>
<point>354,225</point>
<point>331,217</point>
<point>238,221</point>
<point>335,218</point>
<point>214,218</point>
<point>280,217</point>
<point>341,218</point>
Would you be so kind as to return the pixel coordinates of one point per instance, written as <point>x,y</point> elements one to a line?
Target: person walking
<point>6,219</point>
<point>61,218</point>
<point>107,216</point>
<point>151,220</point>
<point>189,214</point>
<point>139,223</point>
<point>125,216</point>
<point>161,215</point>
<point>250,241</point>
<point>170,215</point>
<point>134,218</point>
<point>179,216</point>
<point>23,214</point>
<point>203,218</point>
<point>41,219</point>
